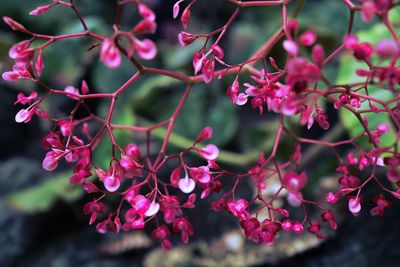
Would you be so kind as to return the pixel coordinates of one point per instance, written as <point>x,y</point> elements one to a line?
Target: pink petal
<point>291,47</point>
<point>308,38</point>
<point>22,115</point>
<point>10,76</point>
<point>186,185</point>
<point>293,200</point>
<point>175,10</point>
<point>49,163</point>
<point>146,49</point>
<point>241,99</point>
<point>111,183</point>
<point>354,205</point>
<point>153,209</point>
<point>210,152</point>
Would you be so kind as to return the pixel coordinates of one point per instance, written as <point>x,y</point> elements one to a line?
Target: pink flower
<point>21,98</point>
<point>205,134</point>
<point>318,54</point>
<point>387,49</point>
<point>291,47</point>
<point>294,199</point>
<point>133,151</point>
<point>349,181</point>
<point>328,216</point>
<point>111,183</point>
<point>72,91</point>
<point>241,99</point>
<point>10,76</point>
<point>66,127</point>
<point>238,208</point>
<point>80,173</point>
<point>208,70</point>
<point>367,11</point>
<point>141,204</point>
<point>197,59</point>
<point>153,209</point>
<point>93,208</point>
<point>355,102</point>
<point>186,185</point>
<point>382,129</point>
<point>294,181</point>
<point>322,120</point>
<point>170,207</point>
<point>190,201</point>
<point>84,87</point>
<point>362,51</point>
<point>218,52</point>
<point>183,225</point>
<point>252,229</point>
<point>50,161</point>
<point>161,234</point>
<point>175,9</point>
<point>300,73</point>
<point>17,50</point>
<point>351,159</point>
<point>40,10</point>
<point>140,207</point>
<point>24,115</point>
<point>185,38</point>
<point>233,91</point>
<point>110,54</point>
<point>210,152</point>
<point>21,70</point>
<point>331,198</point>
<point>393,175</point>
<point>175,176</point>
<point>287,225</point>
<point>39,64</point>
<point>90,187</point>
<point>145,27</point>
<point>315,228</point>
<point>145,48</point>
<point>16,26</point>
<point>127,163</point>
<point>354,206</point>
<point>201,174</point>
<point>185,17</point>
<point>381,203</point>
<point>146,12</point>
<point>350,40</point>
<point>106,226</point>
<point>364,162</point>
<point>134,220</point>
<point>307,38</point>
<point>297,227</point>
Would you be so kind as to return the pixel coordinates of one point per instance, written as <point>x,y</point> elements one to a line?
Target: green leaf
<point>107,80</point>
<point>222,118</point>
<point>42,196</point>
<point>149,87</point>
<point>202,109</point>
<point>176,56</point>
<point>95,24</point>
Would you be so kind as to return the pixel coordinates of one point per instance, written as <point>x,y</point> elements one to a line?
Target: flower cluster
<point>295,90</point>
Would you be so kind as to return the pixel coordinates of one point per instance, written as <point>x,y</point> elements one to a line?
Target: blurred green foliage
<point>41,197</point>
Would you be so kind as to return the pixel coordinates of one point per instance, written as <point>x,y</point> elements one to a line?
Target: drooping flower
<point>210,152</point>
<point>109,54</point>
